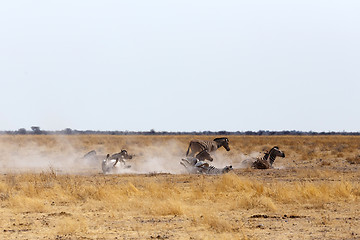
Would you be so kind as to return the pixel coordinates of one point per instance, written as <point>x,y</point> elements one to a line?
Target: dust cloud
<point>64,157</point>
<point>159,157</point>
<point>30,156</point>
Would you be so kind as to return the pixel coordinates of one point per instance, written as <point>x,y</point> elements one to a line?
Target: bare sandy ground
<point>306,196</point>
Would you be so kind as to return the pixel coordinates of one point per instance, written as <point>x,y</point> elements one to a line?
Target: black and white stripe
<point>211,170</point>
<point>120,157</point>
<point>268,159</point>
<point>108,165</point>
<point>272,154</point>
<point>195,166</point>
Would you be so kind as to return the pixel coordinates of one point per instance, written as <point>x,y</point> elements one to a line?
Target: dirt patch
<point>313,193</point>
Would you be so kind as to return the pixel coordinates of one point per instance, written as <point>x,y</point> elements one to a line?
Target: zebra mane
<point>266,155</point>
<point>221,139</point>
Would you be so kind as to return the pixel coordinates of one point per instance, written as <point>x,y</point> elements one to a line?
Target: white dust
<point>66,158</point>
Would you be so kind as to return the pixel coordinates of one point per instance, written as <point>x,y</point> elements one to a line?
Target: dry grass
<point>314,193</point>
<point>353,160</point>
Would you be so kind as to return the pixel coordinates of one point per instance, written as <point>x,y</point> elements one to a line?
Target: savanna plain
<point>49,191</point>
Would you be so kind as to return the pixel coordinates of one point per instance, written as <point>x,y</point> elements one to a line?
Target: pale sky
<point>180,65</point>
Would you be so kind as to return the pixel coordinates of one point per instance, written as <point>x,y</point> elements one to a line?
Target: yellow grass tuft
<point>20,203</point>
<point>353,160</point>
<point>211,219</point>
<point>216,223</point>
<point>68,225</point>
<point>164,207</point>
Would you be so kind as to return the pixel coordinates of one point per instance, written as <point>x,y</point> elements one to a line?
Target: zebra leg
<point>117,160</point>
<point>188,151</point>
<point>185,160</point>
<point>194,147</point>
<point>261,164</point>
<point>188,168</point>
<point>183,165</point>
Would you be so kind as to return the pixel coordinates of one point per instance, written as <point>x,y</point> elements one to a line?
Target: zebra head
<point>121,155</point>
<point>227,169</point>
<point>273,153</point>
<point>222,142</point>
<point>204,155</point>
<point>125,154</point>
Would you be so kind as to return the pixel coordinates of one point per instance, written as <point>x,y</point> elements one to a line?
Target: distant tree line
<point>68,131</point>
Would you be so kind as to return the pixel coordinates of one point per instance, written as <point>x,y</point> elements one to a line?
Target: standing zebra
<point>268,159</point>
<point>197,146</point>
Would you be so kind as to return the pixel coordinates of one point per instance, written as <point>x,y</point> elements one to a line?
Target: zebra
<point>121,156</point>
<point>197,146</point>
<point>206,168</point>
<point>105,166</point>
<point>109,163</point>
<point>211,170</point>
<point>190,162</point>
<point>204,155</point>
<point>195,166</point>
<point>268,159</point>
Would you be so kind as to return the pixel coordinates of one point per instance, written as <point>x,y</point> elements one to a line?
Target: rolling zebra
<point>121,156</point>
<point>211,170</point>
<point>204,155</point>
<point>206,168</point>
<point>190,162</point>
<point>108,165</point>
<point>197,146</point>
<point>268,159</point>
<point>195,166</point>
